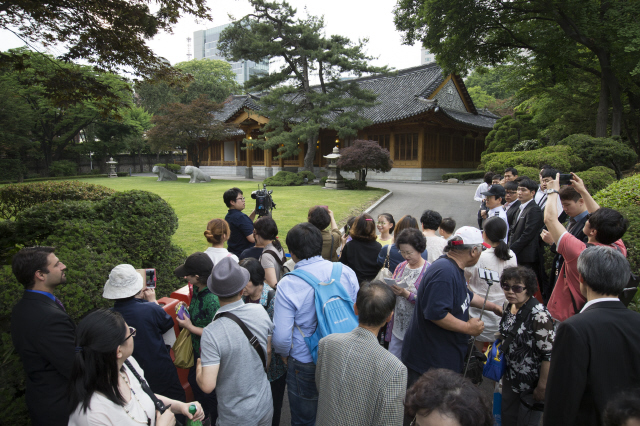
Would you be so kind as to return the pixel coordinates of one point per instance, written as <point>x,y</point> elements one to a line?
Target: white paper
<point>169,337</point>
<point>391,281</point>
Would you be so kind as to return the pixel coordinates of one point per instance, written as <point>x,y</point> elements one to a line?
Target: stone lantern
<point>334,179</point>
<point>112,165</point>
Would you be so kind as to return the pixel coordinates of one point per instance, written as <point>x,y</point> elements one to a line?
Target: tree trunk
<point>632,125</point>
<point>363,175</point>
<point>603,109</point>
<point>140,160</point>
<point>311,154</point>
<point>614,90</point>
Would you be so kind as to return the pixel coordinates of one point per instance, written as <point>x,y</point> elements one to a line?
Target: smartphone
<point>181,311</point>
<point>391,281</point>
<point>151,277</point>
<point>565,179</point>
<point>488,275</point>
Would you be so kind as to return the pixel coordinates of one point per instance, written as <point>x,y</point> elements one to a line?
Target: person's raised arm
<point>578,185</point>
<point>554,227</point>
<point>333,225</point>
<point>252,216</point>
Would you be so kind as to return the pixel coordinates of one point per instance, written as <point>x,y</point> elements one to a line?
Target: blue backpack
<point>334,307</point>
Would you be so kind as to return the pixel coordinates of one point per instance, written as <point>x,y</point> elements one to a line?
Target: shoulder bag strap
<point>386,260</point>
<point>159,405</point>
<point>331,249</point>
<point>253,340</point>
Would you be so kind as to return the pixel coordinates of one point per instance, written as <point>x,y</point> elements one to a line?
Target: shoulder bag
<point>384,271</point>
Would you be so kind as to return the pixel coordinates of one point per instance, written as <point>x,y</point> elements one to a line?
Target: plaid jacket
<point>358,381</point>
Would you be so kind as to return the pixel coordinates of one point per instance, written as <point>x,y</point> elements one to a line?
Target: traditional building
<point>426,120</point>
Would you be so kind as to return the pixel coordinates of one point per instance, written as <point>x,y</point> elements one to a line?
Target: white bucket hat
<point>124,281</point>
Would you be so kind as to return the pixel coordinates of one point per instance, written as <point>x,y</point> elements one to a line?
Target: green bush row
<point>283,178</point>
<point>624,196</point>
<point>560,157</point>
<point>16,198</point>
<point>476,174</point>
<point>175,168</point>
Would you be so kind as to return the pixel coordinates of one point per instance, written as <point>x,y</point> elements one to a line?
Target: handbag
<point>384,271</point>
<point>494,366</point>
<point>183,350</point>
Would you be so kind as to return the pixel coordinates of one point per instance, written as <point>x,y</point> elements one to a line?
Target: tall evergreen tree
<point>296,108</point>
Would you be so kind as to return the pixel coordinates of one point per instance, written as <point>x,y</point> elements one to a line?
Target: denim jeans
<point>303,395</point>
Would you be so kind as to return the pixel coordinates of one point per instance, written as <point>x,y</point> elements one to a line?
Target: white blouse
<point>103,412</point>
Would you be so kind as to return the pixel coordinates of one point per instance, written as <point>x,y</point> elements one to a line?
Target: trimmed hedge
<point>624,196</point>
<point>355,184</point>
<point>532,173</point>
<point>560,157</point>
<point>476,174</point>
<point>175,168</point>
<point>597,178</point>
<point>44,179</point>
<point>283,178</point>
<point>608,152</point>
<point>16,198</point>
<point>63,168</point>
<point>91,237</point>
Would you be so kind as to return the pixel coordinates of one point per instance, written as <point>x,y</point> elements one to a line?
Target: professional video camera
<point>264,202</point>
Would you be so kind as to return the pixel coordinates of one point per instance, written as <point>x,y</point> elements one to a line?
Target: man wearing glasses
<point>43,334</point>
<point>240,224</point>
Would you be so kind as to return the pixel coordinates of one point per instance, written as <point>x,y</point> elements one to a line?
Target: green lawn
<point>196,204</point>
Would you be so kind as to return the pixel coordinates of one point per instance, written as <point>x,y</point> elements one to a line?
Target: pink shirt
<point>560,305</point>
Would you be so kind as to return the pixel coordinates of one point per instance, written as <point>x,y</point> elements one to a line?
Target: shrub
<point>19,197</point>
<point>606,152</point>
<point>283,178</point>
<point>355,184</point>
<point>527,145</point>
<point>362,156</point>
<point>597,178</point>
<point>323,180</point>
<point>532,173</point>
<point>43,179</point>
<point>175,168</point>
<point>309,175</point>
<point>624,196</point>
<point>508,131</point>
<point>476,174</point>
<point>561,157</point>
<point>63,168</point>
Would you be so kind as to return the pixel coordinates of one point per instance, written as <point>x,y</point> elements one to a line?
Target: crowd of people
<point>411,292</point>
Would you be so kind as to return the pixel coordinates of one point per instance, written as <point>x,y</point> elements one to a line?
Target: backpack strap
<point>275,256</point>
<point>253,340</point>
<point>270,295</point>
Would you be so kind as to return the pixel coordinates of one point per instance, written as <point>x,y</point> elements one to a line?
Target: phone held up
<point>565,179</point>
<point>151,277</point>
<point>488,275</point>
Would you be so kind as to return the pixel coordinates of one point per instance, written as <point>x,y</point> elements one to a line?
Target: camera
<point>565,179</point>
<point>264,202</point>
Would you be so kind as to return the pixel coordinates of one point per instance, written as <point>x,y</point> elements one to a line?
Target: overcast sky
<point>355,19</point>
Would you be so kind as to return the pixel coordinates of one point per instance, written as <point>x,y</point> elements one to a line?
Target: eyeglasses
<point>406,253</point>
<point>132,332</point>
<point>240,199</point>
<point>515,288</point>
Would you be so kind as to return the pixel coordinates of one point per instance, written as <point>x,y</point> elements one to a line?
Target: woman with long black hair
<point>496,258</point>
<point>265,231</point>
<point>105,386</point>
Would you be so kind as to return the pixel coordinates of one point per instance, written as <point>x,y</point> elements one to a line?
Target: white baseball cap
<point>469,235</point>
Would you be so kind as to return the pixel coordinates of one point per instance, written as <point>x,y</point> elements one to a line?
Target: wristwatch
<point>551,191</point>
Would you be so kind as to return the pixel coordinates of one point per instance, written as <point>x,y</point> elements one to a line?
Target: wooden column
<point>249,155</point>
<point>235,152</point>
<point>437,159</point>
<point>421,147</point>
<point>267,157</point>
<point>392,146</point>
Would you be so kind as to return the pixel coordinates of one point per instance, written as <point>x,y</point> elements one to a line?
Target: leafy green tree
<point>480,98</point>
<point>55,125</point>
<point>558,36</point>
<point>191,126</point>
<point>15,129</point>
<point>362,156</point>
<point>296,109</point>
<point>494,81</point>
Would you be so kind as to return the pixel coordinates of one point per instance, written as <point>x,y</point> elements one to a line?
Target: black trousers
<point>278,387</point>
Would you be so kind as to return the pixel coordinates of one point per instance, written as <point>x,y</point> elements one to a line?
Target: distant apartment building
<point>205,46</point>
<point>426,57</point>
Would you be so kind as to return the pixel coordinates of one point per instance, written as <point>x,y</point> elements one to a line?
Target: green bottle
<point>192,410</point>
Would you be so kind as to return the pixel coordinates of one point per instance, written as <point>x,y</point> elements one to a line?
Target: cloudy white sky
<point>355,19</point>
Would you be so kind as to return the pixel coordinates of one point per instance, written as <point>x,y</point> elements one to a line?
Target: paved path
<point>450,200</point>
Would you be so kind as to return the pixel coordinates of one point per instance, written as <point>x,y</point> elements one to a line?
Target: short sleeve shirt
<point>242,386</point>
<point>202,309</point>
<point>267,260</point>
<point>241,227</point>
<point>426,345</point>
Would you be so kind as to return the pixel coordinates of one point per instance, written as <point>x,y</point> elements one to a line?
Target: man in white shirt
<point>547,174</point>
<point>495,197</point>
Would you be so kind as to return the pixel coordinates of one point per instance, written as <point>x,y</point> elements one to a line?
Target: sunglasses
<point>515,288</point>
<point>132,332</point>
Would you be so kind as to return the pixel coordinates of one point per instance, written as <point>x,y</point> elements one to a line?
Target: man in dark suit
<point>512,203</point>
<point>43,335</point>
<point>523,236</point>
<point>575,208</point>
<point>595,354</point>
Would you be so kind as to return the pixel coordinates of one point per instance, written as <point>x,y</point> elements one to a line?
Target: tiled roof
<point>401,94</point>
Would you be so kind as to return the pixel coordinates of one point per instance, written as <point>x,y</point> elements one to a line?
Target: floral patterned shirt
<point>530,346</point>
<point>202,309</point>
